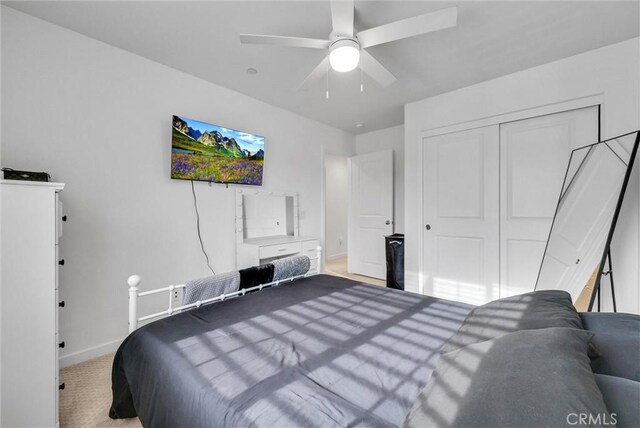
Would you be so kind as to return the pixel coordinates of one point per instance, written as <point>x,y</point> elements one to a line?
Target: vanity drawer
<point>278,250</point>
<point>310,248</point>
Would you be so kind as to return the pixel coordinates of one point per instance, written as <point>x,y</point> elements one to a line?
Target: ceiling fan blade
<point>409,27</point>
<point>316,74</point>
<point>296,42</point>
<point>342,17</point>
<point>373,68</point>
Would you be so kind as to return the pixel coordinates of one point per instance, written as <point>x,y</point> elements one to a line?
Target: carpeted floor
<point>86,399</point>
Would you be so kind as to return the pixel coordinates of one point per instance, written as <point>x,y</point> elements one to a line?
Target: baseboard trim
<point>336,256</point>
<point>89,353</point>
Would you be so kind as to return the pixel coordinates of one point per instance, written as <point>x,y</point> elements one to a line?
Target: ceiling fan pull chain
<point>328,71</point>
<point>361,80</point>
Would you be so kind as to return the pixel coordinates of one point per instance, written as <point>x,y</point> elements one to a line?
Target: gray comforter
<point>321,351</point>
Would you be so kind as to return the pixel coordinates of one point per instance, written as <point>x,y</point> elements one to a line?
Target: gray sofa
<point>533,361</point>
<point>617,365</point>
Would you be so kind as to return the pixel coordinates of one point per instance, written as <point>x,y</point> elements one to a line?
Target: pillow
<point>529,378</point>
<point>538,309</point>
<point>617,337</point>
<point>289,267</point>
<point>622,397</point>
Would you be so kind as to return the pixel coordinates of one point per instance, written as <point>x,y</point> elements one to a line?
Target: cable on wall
<point>195,204</point>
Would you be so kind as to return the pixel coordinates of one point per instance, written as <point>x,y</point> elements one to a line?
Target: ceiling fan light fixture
<point>344,55</point>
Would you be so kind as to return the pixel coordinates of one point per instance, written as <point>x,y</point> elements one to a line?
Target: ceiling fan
<point>346,48</point>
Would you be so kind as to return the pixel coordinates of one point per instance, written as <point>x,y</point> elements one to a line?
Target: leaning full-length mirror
<point>586,213</point>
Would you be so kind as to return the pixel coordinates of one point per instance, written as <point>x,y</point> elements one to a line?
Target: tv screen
<point>206,152</point>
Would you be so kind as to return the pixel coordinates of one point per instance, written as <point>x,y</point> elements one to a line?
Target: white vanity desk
<point>267,229</point>
<point>261,250</point>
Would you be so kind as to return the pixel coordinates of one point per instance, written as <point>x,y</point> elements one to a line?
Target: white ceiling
<point>201,38</point>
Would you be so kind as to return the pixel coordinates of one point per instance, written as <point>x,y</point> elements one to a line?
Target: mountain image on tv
<point>206,152</point>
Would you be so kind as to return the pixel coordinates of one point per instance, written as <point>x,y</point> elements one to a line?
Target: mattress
<point>320,351</point>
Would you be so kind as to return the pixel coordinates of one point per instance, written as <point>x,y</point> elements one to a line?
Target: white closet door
<point>461,215</point>
<point>534,154</point>
<point>371,212</point>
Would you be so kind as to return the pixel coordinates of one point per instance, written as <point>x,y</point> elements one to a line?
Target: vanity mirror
<point>269,215</point>
<point>267,228</point>
<point>577,256</point>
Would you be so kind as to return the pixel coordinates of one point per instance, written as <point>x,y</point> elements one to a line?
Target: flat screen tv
<point>206,152</point>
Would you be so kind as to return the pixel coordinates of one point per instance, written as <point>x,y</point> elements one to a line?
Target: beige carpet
<point>86,399</point>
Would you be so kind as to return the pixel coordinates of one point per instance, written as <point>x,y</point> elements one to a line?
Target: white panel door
<point>371,212</point>
<point>534,154</point>
<point>461,223</point>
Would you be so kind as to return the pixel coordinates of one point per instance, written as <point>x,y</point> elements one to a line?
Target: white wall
<point>336,205</point>
<point>99,119</point>
<point>388,139</point>
<point>610,73</point>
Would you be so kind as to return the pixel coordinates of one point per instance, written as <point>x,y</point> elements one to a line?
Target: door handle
<point>387,222</point>
<point>428,227</point>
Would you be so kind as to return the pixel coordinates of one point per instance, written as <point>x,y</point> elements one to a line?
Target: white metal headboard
<point>134,293</point>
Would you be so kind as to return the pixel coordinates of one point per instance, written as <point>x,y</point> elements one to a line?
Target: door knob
<point>61,262</point>
<point>428,227</point>
<point>387,222</point>
<point>61,386</point>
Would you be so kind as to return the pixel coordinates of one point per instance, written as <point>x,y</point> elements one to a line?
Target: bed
<point>319,351</point>
<point>325,351</point>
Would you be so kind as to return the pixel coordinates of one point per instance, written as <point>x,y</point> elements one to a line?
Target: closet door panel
<point>460,184</point>
<point>460,189</point>
<point>534,154</point>
<point>535,166</point>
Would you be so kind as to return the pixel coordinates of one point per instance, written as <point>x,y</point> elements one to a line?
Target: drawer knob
<point>61,262</point>
<point>61,303</point>
<point>64,218</point>
<point>61,344</point>
<point>61,386</point>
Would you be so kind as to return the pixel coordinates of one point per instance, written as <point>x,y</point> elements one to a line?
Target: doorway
<point>339,240</point>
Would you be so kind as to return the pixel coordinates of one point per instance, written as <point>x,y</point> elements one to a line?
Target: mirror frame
<point>606,252</point>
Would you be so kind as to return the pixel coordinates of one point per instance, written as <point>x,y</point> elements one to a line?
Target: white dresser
<point>257,251</point>
<point>31,227</point>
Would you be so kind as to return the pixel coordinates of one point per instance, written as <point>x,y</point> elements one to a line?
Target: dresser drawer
<point>310,248</point>
<point>279,250</point>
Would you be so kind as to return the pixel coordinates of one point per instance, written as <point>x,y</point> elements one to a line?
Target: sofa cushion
<point>617,338</point>
<point>538,309</point>
<point>622,397</point>
<point>529,378</point>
